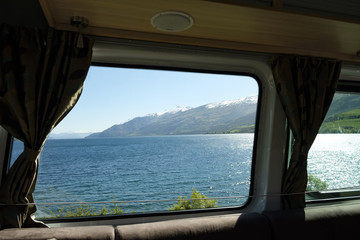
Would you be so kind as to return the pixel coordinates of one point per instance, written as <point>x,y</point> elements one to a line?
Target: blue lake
<point>144,168</point>
<point>166,167</point>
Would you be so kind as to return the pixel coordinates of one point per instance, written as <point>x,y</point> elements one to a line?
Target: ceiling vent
<point>172,21</point>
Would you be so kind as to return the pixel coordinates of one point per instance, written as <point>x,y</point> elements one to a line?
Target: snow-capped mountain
<point>172,111</point>
<point>221,117</point>
<point>246,100</point>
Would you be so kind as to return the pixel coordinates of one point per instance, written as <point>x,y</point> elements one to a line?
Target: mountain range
<point>233,116</point>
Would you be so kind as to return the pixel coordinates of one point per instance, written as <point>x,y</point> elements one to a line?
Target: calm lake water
<point>165,167</point>
<point>335,158</point>
<point>145,168</point>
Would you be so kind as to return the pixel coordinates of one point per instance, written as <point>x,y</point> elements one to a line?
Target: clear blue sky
<point>116,95</point>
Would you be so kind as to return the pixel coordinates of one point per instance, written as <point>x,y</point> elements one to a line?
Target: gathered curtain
<point>306,87</point>
<point>41,78</point>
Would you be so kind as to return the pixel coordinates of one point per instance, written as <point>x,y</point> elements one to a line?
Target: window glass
<point>334,159</point>
<point>142,141</point>
<point>17,149</point>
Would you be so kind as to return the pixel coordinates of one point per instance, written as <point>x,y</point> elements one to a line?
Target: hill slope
<point>237,116</point>
<point>343,115</point>
<point>346,122</point>
<point>222,117</point>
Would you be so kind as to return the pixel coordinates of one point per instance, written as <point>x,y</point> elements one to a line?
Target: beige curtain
<point>306,87</point>
<point>41,78</point>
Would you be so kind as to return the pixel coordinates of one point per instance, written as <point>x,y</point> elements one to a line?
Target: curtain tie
<point>31,153</point>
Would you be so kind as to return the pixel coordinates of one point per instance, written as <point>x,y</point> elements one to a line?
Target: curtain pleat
<point>306,87</point>
<point>41,78</point>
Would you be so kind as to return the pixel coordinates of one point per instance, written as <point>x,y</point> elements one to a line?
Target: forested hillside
<point>343,115</point>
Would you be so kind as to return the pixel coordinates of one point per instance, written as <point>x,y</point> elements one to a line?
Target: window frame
<point>5,152</point>
<point>193,211</point>
<point>331,196</point>
<point>198,59</point>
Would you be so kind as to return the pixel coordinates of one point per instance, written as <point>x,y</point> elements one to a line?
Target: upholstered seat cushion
<point>322,222</point>
<point>65,233</point>
<point>238,226</point>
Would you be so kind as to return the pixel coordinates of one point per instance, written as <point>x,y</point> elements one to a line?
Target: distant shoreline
<point>208,133</point>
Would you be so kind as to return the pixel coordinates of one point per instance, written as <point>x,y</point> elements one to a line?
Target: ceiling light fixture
<point>172,21</point>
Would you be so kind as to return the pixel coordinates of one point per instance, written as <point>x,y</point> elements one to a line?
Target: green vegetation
<point>315,184</point>
<point>196,201</point>
<point>346,122</point>
<point>241,129</point>
<point>84,210</point>
<point>344,102</point>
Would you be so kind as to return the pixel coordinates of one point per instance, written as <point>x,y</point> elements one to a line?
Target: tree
<point>197,201</point>
<point>315,184</point>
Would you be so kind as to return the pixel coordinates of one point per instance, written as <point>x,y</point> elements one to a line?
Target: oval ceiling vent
<point>172,21</point>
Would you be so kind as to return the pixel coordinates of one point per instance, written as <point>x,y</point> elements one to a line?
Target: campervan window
<point>150,140</point>
<point>333,161</point>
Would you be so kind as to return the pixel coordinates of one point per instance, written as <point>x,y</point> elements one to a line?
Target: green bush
<point>196,201</point>
<point>84,210</point>
<point>315,184</point>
